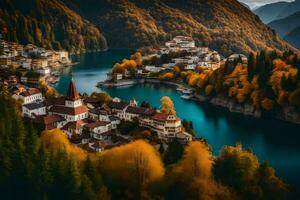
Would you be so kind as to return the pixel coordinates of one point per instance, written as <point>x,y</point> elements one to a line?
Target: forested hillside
<point>226,26</point>
<point>48,24</point>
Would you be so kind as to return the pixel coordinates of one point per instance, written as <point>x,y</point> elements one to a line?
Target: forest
<point>48,24</point>
<point>46,165</point>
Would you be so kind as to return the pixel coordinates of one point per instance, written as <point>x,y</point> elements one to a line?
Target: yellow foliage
<point>167,105</point>
<point>135,165</point>
<point>56,140</point>
<point>196,162</point>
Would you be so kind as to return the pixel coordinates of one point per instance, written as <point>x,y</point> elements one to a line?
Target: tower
<point>73,99</point>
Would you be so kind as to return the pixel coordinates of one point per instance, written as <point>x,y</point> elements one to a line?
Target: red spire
<point>72,91</point>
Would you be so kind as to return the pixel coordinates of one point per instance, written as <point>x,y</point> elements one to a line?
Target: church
<point>67,112</point>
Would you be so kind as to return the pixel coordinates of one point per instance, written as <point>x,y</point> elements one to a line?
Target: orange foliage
<point>167,76</point>
<point>137,57</point>
<point>279,64</point>
<point>267,104</point>
<point>126,65</point>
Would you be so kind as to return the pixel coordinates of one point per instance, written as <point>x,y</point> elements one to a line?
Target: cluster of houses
<point>194,57</point>
<point>95,125</point>
<point>35,63</point>
<point>197,56</point>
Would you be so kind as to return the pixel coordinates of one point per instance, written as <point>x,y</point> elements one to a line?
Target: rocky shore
<point>288,113</point>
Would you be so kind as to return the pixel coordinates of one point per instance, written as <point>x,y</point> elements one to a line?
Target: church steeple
<point>72,91</point>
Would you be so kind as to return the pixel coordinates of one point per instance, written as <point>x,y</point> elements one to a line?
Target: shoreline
<point>287,115</point>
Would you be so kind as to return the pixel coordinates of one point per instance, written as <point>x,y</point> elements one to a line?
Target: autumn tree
<point>130,169</point>
<point>191,177</point>
<point>239,169</point>
<point>167,105</point>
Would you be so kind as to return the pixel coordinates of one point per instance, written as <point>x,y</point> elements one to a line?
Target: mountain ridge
<point>226,26</point>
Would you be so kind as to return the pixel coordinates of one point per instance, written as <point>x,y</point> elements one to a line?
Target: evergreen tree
<point>251,66</point>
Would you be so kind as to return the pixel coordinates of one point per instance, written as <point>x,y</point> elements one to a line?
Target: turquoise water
<point>274,141</point>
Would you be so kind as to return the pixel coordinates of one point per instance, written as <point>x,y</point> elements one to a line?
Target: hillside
<point>49,24</point>
<point>294,37</point>
<point>226,26</point>
<point>270,12</point>
<point>286,25</point>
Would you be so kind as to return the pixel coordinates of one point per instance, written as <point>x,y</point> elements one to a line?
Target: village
<point>88,123</point>
<point>93,125</point>
<point>180,51</point>
<point>31,63</point>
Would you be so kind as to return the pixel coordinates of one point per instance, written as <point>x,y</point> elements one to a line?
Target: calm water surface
<point>274,141</point>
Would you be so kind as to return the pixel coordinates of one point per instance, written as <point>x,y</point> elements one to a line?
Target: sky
<point>254,3</point>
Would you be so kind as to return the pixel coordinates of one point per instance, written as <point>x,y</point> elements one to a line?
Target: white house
<point>44,71</point>
<point>166,126</point>
<point>98,128</point>
<point>32,110</point>
<point>31,95</point>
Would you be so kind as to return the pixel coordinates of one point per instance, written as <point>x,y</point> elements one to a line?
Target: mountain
<point>294,37</point>
<point>49,24</point>
<point>278,10</point>
<point>270,12</point>
<point>246,5</point>
<point>286,25</point>
<point>226,26</point>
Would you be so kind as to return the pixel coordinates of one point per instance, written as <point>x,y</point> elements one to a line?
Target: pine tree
<point>251,66</point>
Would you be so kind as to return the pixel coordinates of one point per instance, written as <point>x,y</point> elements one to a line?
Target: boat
<point>188,91</point>
<point>187,97</point>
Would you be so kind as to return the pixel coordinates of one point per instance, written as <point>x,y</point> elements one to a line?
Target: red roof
<point>96,124</point>
<point>72,91</point>
<point>73,125</point>
<point>160,117</point>
<point>68,110</point>
<point>48,119</point>
<point>30,91</point>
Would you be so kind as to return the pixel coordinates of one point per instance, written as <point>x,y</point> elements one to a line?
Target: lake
<point>274,141</point>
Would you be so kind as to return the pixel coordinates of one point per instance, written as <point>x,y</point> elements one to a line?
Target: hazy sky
<point>253,3</point>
